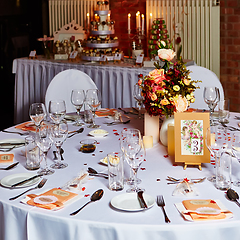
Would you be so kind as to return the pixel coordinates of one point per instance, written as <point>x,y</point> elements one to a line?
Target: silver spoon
<point>233,196</point>
<point>10,166</point>
<point>93,171</point>
<point>40,185</point>
<point>78,131</point>
<point>95,197</point>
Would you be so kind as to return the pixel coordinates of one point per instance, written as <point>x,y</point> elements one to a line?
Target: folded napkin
<point>6,157</point>
<point>54,198</point>
<point>27,126</point>
<point>105,112</point>
<point>195,204</point>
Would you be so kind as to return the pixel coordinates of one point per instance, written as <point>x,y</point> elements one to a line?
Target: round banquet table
<point>100,220</point>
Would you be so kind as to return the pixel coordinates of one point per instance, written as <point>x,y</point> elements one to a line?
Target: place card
<point>6,157</point>
<point>32,55</point>
<point>190,132</point>
<point>139,59</point>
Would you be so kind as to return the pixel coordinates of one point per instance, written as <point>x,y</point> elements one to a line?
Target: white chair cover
<point>208,78</point>
<point>64,82</point>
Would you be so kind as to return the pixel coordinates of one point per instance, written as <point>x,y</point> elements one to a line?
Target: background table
<point>115,82</point>
<point>100,220</point>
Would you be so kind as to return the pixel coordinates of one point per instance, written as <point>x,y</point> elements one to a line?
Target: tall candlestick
<point>129,22</point>
<point>139,20</point>
<point>150,21</point>
<point>88,20</point>
<point>142,23</point>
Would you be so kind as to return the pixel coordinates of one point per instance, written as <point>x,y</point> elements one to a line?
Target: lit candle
<point>96,17</point>
<point>137,20</point>
<point>142,23</point>
<point>148,141</point>
<point>129,24</point>
<point>88,20</point>
<point>150,21</point>
<point>109,17</point>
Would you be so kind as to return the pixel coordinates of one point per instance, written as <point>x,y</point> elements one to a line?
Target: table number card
<point>139,59</point>
<point>103,59</point>
<point>190,133</point>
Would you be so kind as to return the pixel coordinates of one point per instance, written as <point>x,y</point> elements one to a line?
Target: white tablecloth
<point>101,221</point>
<point>33,77</point>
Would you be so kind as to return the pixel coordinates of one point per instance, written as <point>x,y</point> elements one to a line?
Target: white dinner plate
<point>129,202</point>
<point>12,141</point>
<point>8,181</point>
<point>98,133</point>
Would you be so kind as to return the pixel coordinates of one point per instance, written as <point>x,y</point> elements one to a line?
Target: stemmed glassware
<point>93,100</point>
<point>57,110</point>
<point>137,94</point>
<point>211,96</point>
<point>236,151</point>
<point>59,133</point>
<point>77,99</point>
<point>44,141</point>
<point>135,154</point>
<point>216,141</point>
<point>37,113</point>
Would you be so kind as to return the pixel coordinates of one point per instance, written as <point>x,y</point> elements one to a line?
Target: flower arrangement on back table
<point>167,90</point>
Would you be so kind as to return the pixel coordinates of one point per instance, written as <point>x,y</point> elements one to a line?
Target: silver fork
<point>161,203</point>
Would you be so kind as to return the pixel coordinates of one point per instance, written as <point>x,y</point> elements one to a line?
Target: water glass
<point>32,154</point>
<point>223,111</point>
<point>115,171</point>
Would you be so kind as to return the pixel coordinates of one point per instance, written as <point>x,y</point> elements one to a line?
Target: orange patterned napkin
<point>105,112</point>
<point>27,126</point>
<point>51,199</point>
<point>199,203</point>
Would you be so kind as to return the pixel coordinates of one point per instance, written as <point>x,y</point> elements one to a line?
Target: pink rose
<point>166,54</point>
<point>186,81</point>
<point>157,75</point>
<point>181,104</point>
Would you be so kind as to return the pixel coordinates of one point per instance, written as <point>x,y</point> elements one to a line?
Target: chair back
<point>64,82</point>
<point>208,78</point>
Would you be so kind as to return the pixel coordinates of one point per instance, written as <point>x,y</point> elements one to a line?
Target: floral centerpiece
<point>167,90</point>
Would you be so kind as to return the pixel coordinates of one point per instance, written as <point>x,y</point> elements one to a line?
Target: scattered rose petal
<point>165,155</point>
<point>144,160</point>
<point>174,165</point>
<point>143,168</point>
<point>93,155</point>
<point>114,130</point>
<point>158,179</point>
<point>116,134</point>
<point>86,195</point>
<point>186,179</point>
<point>85,164</point>
<point>101,151</point>
<point>212,201</point>
<point>83,188</point>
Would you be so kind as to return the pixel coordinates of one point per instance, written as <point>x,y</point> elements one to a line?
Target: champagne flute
<point>37,113</point>
<point>211,96</point>
<point>59,133</point>
<point>236,152</point>
<point>93,100</point>
<point>123,138</point>
<point>135,154</point>
<point>57,110</point>
<point>44,142</point>
<point>216,141</point>
<point>137,94</point>
<point>77,99</point>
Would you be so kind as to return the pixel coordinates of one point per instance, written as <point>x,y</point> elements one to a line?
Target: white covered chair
<point>208,78</point>
<point>64,82</point>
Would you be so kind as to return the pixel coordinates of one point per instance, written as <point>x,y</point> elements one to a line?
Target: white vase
<point>151,127</point>
<point>164,130</point>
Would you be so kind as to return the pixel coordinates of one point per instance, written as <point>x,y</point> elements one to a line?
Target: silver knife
<point>26,180</point>
<point>12,144</point>
<point>141,199</point>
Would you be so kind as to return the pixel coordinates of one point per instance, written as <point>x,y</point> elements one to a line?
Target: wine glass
<point>135,154</point>
<point>37,113</point>
<point>93,100</point>
<point>77,99</point>
<point>59,133</point>
<point>211,96</point>
<point>236,152</point>
<point>44,142</point>
<point>57,110</point>
<point>216,141</point>
<point>137,94</point>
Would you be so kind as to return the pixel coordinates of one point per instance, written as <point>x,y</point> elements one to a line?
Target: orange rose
<point>140,82</point>
<point>186,81</point>
<point>153,96</point>
<point>157,75</point>
<point>181,104</point>
<point>166,54</point>
<point>164,102</point>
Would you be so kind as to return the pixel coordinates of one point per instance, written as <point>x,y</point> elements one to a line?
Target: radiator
<point>198,23</point>
<point>62,12</point>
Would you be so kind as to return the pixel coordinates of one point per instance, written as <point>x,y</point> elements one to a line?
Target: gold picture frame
<point>190,132</point>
